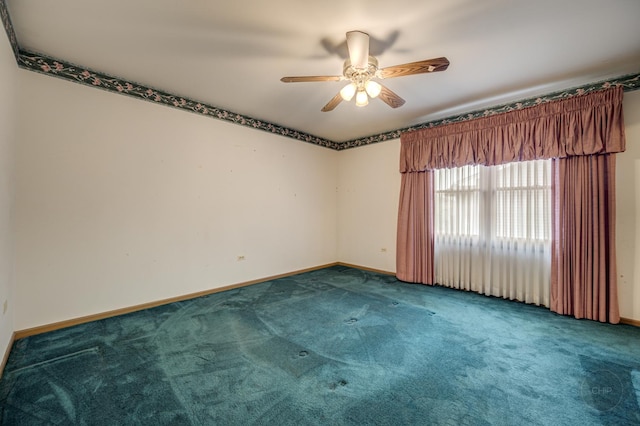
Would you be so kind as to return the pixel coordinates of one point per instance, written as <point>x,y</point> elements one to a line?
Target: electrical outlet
<point>5,306</point>
<point>241,257</point>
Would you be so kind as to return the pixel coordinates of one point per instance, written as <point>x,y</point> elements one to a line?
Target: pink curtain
<point>583,269</point>
<point>583,125</point>
<point>414,254</point>
<point>589,126</point>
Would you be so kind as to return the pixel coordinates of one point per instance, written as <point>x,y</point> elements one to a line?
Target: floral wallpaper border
<point>77,74</point>
<point>629,82</point>
<point>8,27</point>
<point>58,68</point>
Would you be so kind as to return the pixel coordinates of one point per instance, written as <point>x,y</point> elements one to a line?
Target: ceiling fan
<point>361,70</point>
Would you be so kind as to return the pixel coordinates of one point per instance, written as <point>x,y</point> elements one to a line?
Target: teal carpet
<point>338,346</point>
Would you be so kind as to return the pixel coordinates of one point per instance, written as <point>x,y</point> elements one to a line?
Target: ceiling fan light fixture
<point>361,98</point>
<point>373,88</point>
<point>348,91</point>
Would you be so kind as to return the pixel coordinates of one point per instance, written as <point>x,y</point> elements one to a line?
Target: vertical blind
<point>493,229</point>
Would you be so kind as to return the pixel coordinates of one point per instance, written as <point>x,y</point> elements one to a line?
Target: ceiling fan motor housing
<point>361,81</point>
<point>360,75</point>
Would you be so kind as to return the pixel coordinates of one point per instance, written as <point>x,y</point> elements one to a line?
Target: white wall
<point>628,211</point>
<point>8,99</point>
<point>121,202</point>
<point>370,187</point>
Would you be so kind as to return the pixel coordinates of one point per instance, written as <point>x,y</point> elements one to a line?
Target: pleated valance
<point>583,125</point>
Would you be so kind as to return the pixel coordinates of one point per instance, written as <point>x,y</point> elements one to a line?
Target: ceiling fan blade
<point>358,45</point>
<point>390,98</point>
<point>332,103</point>
<point>429,65</point>
<point>311,78</point>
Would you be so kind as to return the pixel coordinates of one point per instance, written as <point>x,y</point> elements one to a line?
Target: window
<point>493,229</point>
<point>522,200</point>
<point>457,201</point>
<point>511,201</point>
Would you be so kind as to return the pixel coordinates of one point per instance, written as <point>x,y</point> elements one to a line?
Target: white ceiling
<point>232,54</point>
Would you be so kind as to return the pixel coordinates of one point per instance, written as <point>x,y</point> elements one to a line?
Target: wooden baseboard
<point>5,358</point>
<point>20,334</point>
<point>630,321</point>
<point>365,268</point>
<point>103,315</point>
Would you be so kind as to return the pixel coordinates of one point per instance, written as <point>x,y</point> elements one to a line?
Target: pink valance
<point>583,125</point>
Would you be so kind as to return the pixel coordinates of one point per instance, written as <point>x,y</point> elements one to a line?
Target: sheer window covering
<point>493,230</point>
<point>586,125</point>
